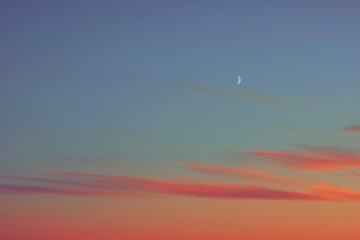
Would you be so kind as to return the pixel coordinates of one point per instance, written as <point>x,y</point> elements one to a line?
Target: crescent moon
<point>239,80</point>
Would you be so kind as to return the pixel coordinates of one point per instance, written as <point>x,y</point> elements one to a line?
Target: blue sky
<point>66,90</point>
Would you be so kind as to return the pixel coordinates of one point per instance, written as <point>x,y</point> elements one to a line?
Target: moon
<point>239,80</point>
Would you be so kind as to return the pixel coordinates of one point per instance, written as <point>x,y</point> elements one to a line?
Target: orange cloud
<point>352,129</point>
<point>245,174</point>
<point>120,186</point>
<point>107,186</point>
<point>26,189</point>
<point>194,189</point>
<point>341,194</point>
<point>311,159</point>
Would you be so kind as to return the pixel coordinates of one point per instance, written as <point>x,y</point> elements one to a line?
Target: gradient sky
<point>122,120</point>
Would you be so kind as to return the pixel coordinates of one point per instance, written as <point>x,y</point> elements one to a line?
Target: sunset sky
<point>123,120</point>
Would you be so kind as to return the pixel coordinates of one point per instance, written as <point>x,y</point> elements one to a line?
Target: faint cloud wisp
<point>352,129</point>
<point>311,159</point>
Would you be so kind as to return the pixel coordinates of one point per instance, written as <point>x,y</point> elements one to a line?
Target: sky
<point>123,120</point>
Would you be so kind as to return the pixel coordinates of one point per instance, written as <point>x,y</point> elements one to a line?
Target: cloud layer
<point>311,159</point>
<point>120,186</point>
<point>341,194</point>
<point>246,174</point>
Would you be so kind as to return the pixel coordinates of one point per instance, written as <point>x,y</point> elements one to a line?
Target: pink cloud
<point>245,174</point>
<point>124,187</point>
<point>194,189</point>
<point>312,159</point>
<point>352,129</point>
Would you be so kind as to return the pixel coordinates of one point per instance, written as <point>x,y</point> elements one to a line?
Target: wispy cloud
<point>43,180</point>
<point>292,128</point>
<point>352,129</point>
<point>340,194</point>
<point>284,102</point>
<point>27,189</point>
<point>312,159</point>
<point>120,186</point>
<point>246,174</point>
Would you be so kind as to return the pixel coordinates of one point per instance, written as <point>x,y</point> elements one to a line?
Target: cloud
<point>284,102</point>
<point>194,189</point>
<point>312,159</point>
<point>120,186</point>
<point>352,129</point>
<point>246,174</point>
<point>291,128</point>
<point>340,194</point>
<point>26,189</point>
<point>45,180</point>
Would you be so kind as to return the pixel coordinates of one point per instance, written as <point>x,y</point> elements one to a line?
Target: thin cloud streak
<point>352,129</point>
<point>284,102</point>
<point>202,190</point>
<point>26,189</point>
<point>193,189</point>
<point>291,128</point>
<point>45,180</point>
<point>247,174</point>
<point>341,194</point>
<point>311,159</point>
<point>120,187</point>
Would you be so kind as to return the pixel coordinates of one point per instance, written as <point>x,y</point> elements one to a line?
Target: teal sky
<point>66,90</point>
